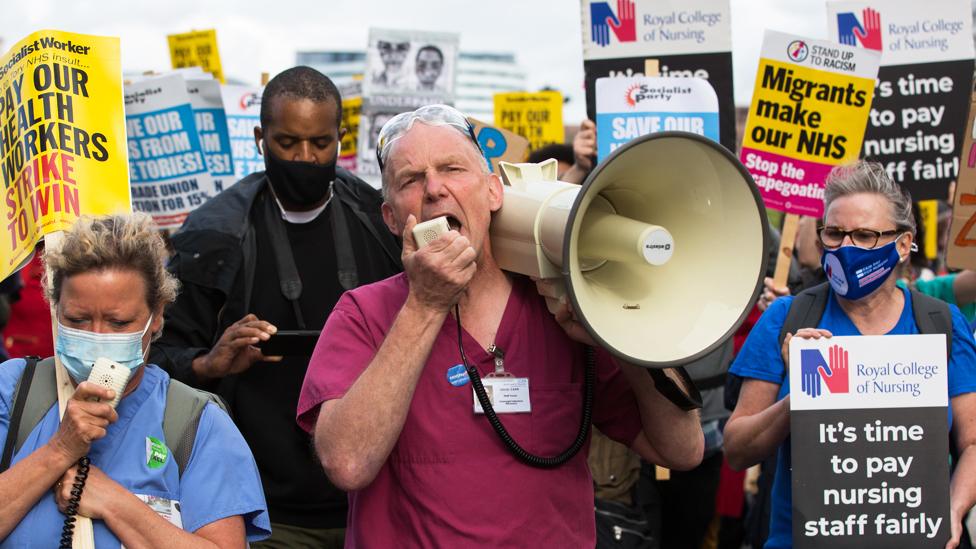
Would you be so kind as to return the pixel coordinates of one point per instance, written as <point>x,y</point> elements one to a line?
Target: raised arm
<point>584,153</point>
<point>670,437</point>
<point>355,434</point>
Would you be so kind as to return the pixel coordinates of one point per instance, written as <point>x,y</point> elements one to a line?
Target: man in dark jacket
<point>274,252</point>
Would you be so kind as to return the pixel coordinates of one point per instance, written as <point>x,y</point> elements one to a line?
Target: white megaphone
<point>661,251</point>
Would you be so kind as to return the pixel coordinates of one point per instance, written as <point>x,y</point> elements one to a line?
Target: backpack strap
<point>806,310</point>
<point>933,316</point>
<point>37,391</point>
<point>31,401</point>
<point>184,406</point>
<point>23,387</point>
<point>289,279</point>
<point>345,257</point>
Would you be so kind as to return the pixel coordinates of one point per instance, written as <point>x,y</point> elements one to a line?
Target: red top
<point>450,481</point>
<point>29,330</point>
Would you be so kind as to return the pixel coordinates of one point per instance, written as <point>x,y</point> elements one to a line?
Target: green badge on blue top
<point>156,453</point>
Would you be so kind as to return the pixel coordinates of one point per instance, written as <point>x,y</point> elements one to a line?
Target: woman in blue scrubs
<point>108,287</point>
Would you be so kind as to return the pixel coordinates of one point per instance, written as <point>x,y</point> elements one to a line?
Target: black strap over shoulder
<point>249,259</point>
<point>345,258</point>
<point>692,400</point>
<point>806,310</point>
<point>360,196</point>
<point>23,387</point>
<point>932,316</point>
<point>36,392</point>
<point>288,277</point>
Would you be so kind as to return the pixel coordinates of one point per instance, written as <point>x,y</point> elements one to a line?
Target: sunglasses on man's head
<point>433,114</point>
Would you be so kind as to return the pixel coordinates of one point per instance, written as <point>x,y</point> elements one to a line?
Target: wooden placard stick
<point>83,536</point>
<point>785,256</point>
<point>652,67</point>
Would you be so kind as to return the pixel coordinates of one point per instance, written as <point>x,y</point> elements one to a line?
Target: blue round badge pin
<point>457,375</point>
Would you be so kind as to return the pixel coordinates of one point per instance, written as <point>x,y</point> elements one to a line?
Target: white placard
<point>627,108</point>
<point>904,31</point>
<point>635,28</point>
<point>819,55</point>
<point>865,372</point>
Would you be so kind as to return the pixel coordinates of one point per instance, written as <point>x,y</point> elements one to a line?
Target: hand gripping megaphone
<point>661,251</point>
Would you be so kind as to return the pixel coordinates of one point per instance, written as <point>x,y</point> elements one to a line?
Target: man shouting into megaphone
<point>388,395</point>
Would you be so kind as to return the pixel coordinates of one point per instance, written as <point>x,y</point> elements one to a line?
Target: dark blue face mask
<point>855,272</point>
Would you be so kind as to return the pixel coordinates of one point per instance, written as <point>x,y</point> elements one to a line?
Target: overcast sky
<point>264,36</point>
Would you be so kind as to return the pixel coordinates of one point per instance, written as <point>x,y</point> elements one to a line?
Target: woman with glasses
<point>957,288</point>
<point>867,235</point>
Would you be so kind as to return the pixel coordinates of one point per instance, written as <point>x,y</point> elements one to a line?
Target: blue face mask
<point>855,272</point>
<point>78,349</point>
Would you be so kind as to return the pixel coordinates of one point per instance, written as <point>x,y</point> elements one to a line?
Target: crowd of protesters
<point>369,440</point>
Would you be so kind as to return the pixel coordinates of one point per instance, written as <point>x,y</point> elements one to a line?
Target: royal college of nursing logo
<point>603,20</point>
<point>833,372</point>
<point>850,30</point>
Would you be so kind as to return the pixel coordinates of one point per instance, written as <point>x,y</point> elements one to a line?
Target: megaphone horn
<point>661,251</point>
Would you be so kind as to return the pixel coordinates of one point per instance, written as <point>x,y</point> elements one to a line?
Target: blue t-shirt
<point>760,358</point>
<point>220,480</point>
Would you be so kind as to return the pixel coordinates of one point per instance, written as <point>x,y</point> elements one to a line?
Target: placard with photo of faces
<point>413,63</point>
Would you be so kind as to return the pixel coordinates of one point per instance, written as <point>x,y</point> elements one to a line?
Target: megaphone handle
<point>690,400</point>
<point>553,289</point>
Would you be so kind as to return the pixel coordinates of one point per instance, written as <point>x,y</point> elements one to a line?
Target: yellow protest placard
<point>62,137</point>
<point>809,109</point>
<point>196,49</point>
<point>929,212</point>
<point>537,117</point>
<point>352,107</point>
<point>806,113</point>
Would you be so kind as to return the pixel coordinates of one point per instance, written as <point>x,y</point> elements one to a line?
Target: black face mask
<point>298,183</point>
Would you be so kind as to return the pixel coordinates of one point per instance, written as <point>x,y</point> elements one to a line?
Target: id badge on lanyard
<point>508,394</point>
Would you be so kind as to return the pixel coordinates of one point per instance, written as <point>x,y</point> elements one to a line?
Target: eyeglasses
<point>434,115</point>
<point>833,237</point>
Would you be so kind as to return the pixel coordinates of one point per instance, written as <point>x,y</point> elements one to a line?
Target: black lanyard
<point>289,279</point>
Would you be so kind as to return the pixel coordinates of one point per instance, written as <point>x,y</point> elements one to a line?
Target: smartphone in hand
<point>290,343</point>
